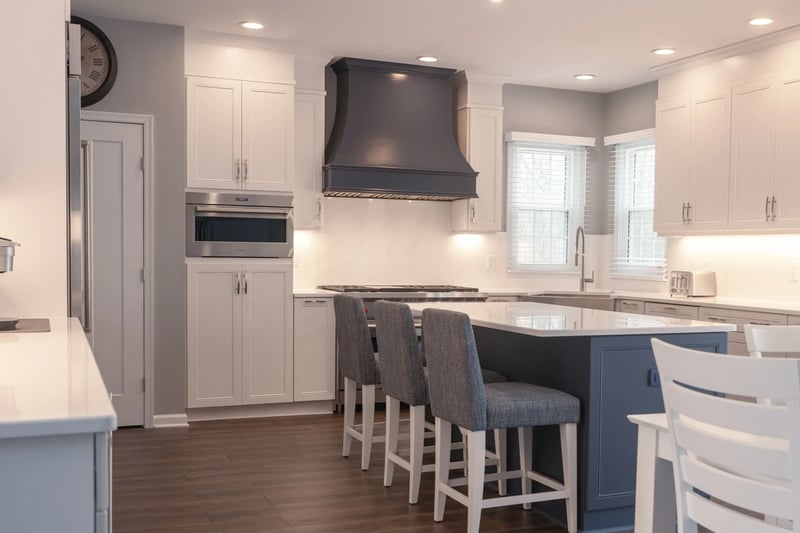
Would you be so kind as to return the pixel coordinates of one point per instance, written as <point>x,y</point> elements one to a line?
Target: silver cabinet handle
<point>715,319</point>
<point>238,289</point>
<point>319,209</point>
<point>472,214</point>
<point>245,169</point>
<point>245,281</point>
<point>766,209</point>
<point>688,211</point>
<point>86,229</point>
<point>238,169</point>
<point>670,309</point>
<point>758,323</point>
<point>683,214</point>
<point>315,301</point>
<point>774,201</point>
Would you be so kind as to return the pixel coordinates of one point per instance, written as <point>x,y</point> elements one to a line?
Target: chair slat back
<point>743,454</point>
<point>766,339</point>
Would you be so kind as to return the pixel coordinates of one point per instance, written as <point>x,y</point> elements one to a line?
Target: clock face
<point>95,65</point>
<point>98,63</point>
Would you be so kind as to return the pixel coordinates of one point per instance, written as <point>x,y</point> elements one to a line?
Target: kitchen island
<point>603,358</point>
<point>56,419</point>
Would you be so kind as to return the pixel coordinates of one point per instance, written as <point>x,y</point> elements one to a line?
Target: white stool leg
<point>569,459</point>
<point>349,414</point>
<point>392,430</point>
<point>476,441</point>
<point>525,438</point>
<point>442,470</point>
<point>500,440</point>
<point>368,423</point>
<point>417,439</point>
<point>464,451</point>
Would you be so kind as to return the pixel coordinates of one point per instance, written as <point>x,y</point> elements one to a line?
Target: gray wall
<point>562,112</point>
<point>631,109</point>
<point>150,81</point>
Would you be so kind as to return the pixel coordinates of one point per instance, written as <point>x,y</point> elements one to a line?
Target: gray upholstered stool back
<point>356,357</point>
<point>455,382</point>
<point>401,364</point>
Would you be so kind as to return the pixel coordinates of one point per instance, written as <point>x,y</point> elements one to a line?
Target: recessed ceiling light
<point>497,1</point>
<point>428,59</point>
<point>584,76</point>
<point>761,21</point>
<point>251,25</point>
<point>663,51</point>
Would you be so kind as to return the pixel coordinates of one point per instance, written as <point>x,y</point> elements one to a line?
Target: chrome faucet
<point>580,254</point>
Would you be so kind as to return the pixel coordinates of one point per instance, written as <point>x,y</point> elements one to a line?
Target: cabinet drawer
<point>629,306</point>
<point>732,316</point>
<point>794,320</point>
<point>671,310</point>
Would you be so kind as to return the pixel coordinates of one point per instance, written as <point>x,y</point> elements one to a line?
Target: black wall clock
<point>98,63</point>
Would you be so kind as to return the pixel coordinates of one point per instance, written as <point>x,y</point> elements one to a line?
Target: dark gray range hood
<point>393,136</point>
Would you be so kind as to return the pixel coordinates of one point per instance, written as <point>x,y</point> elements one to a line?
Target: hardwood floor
<point>279,475</point>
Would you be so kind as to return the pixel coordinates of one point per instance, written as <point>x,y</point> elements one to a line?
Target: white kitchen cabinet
<point>309,112</point>
<point>239,332</point>
<point>692,164</point>
<point>480,137</point>
<point>240,135</point>
<point>787,167</point>
<point>314,349</point>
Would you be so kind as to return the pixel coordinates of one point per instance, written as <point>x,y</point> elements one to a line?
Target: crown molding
<point>785,35</point>
<point>629,136</point>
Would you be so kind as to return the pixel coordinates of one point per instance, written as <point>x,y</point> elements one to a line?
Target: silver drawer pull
<point>757,323</point>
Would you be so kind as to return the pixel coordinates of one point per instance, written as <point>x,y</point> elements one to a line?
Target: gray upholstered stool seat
<point>359,365</point>
<point>406,380</point>
<point>513,404</point>
<point>490,376</point>
<point>460,396</point>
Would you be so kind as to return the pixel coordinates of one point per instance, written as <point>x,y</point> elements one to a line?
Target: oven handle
<point>241,211</point>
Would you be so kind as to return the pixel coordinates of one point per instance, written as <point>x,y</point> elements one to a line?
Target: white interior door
<point>115,183</point>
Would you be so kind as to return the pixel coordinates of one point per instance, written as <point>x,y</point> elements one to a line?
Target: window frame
<point>578,149</point>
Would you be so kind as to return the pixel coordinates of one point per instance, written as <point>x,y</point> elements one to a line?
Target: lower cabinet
<point>314,349</point>
<point>239,332</point>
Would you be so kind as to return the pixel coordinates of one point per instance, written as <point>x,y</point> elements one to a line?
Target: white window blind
<point>545,203</point>
<point>638,252</point>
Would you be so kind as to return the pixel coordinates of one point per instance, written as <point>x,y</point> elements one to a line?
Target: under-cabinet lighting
<point>251,25</point>
<point>584,76</point>
<point>761,21</point>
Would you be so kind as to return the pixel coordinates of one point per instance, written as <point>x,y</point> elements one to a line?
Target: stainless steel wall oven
<point>239,225</point>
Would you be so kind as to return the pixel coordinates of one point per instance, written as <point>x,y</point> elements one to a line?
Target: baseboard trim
<point>200,414</point>
<point>177,420</point>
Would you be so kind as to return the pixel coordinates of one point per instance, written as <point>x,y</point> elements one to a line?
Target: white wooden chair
<point>745,456</point>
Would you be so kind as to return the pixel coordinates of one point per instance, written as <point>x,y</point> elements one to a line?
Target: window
<point>546,179</point>
<point>638,251</point>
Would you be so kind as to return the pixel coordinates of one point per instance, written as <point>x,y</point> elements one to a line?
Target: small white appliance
<point>692,283</point>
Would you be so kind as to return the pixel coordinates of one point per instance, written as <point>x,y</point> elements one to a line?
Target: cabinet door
<point>267,136</point>
<point>673,128</point>
<point>213,132</point>
<point>752,155</point>
<point>710,161</point>
<point>314,349</point>
<point>480,138</point>
<point>309,129</point>
<point>267,332</point>
<point>787,177</point>
<point>214,334</point>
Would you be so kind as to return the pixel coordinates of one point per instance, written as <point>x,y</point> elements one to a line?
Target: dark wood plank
<point>282,475</point>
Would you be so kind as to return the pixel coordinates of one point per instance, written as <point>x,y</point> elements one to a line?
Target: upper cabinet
<point>480,137</point>
<point>692,164</point>
<point>765,160</point>
<point>309,124</point>
<point>240,135</point>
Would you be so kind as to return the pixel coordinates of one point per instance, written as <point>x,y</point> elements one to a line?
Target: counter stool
<point>359,366</point>
<point>404,380</point>
<point>459,396</point>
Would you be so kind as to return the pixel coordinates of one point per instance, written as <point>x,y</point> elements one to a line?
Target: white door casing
<point>118,255</point>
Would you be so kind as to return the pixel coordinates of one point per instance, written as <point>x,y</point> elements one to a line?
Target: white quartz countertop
<point>544,320</point>
<point>314,293</point>
<point>50,384</point>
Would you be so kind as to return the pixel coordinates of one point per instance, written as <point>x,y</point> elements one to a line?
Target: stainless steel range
<point>399,293</point>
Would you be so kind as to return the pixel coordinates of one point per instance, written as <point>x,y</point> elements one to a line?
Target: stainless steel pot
<point>7,254</point>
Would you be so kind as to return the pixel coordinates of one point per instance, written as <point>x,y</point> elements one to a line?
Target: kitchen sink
<point>589,300</point>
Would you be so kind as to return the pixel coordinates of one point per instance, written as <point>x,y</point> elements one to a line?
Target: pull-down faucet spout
<point>580,257</point>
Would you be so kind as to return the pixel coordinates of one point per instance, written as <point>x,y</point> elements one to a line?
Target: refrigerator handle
<point>86,227</point>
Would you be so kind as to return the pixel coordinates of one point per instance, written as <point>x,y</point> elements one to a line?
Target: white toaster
<point>690,283</point>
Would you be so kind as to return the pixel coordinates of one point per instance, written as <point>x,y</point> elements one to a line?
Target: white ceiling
<point>534,42</point>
